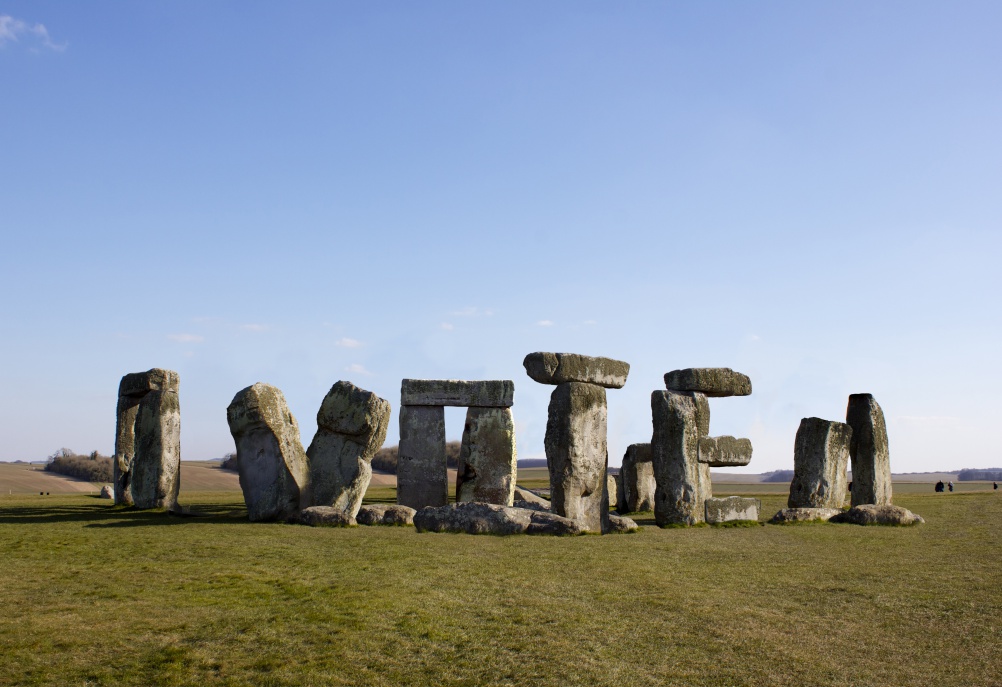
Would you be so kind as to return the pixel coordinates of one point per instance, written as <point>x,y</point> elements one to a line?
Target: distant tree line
<point>972,475</point>
<point>778,476</point>
<point>229,462</point>
<point>92,468</point>
<point>385,459</point>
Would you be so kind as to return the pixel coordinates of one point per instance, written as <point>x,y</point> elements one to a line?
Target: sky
<point>299,193</point>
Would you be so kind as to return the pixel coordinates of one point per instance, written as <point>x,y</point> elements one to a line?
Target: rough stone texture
<point>872,514</point>
<point>156,466</point>
<point>273,467</point>
<point>141,383</point>
<point>712,381</point>
<point>620,494</point>
<point>682,482</point>
<point>522,496</point>
<point>490,518</point>
<point>131,390</point>
<point>638,479</point>
<point>612,490</point>
<point>494,393</point>
<point>385,514</point>
<point>722,452</point>
<point>422,473</point>
<point>871,461</point>
<point>620,524</point>
<point>559,368</point>
<point>107,492</point>
<point>702,413</point>
<point>351,427</point>
<point>731,508</point>
<point>820,457</point>
<point>577,454</point>
<point>487,458</point>
<point>804,514</point>
<point>322,516</point>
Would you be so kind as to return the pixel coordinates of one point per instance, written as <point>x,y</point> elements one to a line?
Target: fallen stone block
<point>487,457</point>
<point>490,518</point>
<point>872,514</point>
<point>385,514</point>
<point>724,452</point>
<point>522,496</point>
<point>559,368</point>
<point>804,515</point>
<point>422,471</point>
<point>322,516</point>
<point>620,524</point>
<point>713,381</point>
<point>731,508</point>
<point>820,457</point>
<point>868,452</point>
<point>493,393</point>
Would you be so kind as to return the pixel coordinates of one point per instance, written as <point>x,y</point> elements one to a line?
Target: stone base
<point>804,515</point>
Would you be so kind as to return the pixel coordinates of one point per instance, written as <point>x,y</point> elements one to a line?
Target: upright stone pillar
<point>487,458</point>
<point>576,446</point>
<point>156,467</point>
<point>682,484</point>
<point>422,471</point>
<point>871,460</point>
<point>162,449</point>
<point>637,476</point>
<point>820,457</point>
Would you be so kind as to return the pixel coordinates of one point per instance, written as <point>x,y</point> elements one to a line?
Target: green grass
<point>94,595</point>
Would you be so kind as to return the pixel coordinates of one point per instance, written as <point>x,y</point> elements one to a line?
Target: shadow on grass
<point>113,516</point>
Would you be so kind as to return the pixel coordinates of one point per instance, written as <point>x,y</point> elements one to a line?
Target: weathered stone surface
<point>577,454</point>
<point>820,457</point>
<point>702,413</point>
<point>731,508</point>
<point>422,473</point>
<point>804,514</point>
<point>620,524</point>
<point>492,393</point>
<point>322,516</point>
<point>521,497</point>
<point>156,466</point>
<point>682,482</point>
<point>712,381</point>
<point>559,368</point>
<point>722,452</point>
<point>487,458</point>
<point>612,490</point>
<point>620,494</point>
<point>872,514</point>
<point>637,475</point>
<point>351,427</point>
<point>107,492</point>
<point>490,518</point>
<point>131,390</point>
<point>273,467</point>
<point>141,383</point>
<point>385,514</point>
<point>871,460</point>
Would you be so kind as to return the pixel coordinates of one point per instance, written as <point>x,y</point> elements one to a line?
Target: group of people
<point>949,485</point>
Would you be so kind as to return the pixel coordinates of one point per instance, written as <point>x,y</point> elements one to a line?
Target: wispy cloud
<point>254,327</point>
<point>590,322</point>
<point>358,370</point>
<point>472,311</point>
<point>345,342</point>
<point>12,30</point>
<point>447,326</point>
<point>186,338</point>
<point>545,323</point>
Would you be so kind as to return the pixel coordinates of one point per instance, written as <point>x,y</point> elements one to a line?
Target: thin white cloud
<point>12,30</point>
<point>590,322</point>
<point>254,327</point>
<point>447,326</point>
<point>545,323</point>
<point>358,370</point>
<point>186,338</point>
<point>345,342</point>
<point>472,311</point>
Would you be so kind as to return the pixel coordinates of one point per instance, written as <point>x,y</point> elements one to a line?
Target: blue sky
<point>298,193</point>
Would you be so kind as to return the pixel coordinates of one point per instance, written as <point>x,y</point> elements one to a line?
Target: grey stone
<point>820,457</point>
<point>521,497</point>
<point>731,508</point>
<point>351,427</point>
<point>871,461</point>
<point>637,475</point>
<point>156,466</point>
<point>702,412</point>
<point>620,493</point>
<point>872,514</point>
<point>487,458</point>
<point>559,368</point>
<point>385,514</point>
<point>107,492</point>
<point>620,524</point>
<point>712,381</point>
<point>722,452</point>
<point>422,472</point>
<point>493,393</point>
<point>489,518</point>
<point>577,454</point>
<point>273,468</point>
<point>804,514</point>
<point>612,490</point>
<point>131,390</point>
<point>322,516</point>
<point>139,384</point>
<point>682,482</point>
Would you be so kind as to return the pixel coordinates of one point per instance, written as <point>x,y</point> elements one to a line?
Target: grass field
<point>95,595</point>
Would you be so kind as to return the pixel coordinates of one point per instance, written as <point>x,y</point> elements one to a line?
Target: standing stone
<point>422,470</point>
<point>612,490</point>
<point>487,458</point>
<point>871,461</point>
<point>683,483</point>
<point>620,493</point>
<point>577,454</point>
<point>638,479</point>
<point>273,467</point>
<point>820,457</point>
<point>351,427</point>
<point>156,466</point>
<point>131,391</point>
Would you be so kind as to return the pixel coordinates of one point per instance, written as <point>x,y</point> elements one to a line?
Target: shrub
<point>229,462</point>
<point>988,475</point>
<point>92,468</point>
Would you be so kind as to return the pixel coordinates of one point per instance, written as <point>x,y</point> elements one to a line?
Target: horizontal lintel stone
<point>715,382</point>
<point>557,368</point>
<point>724,452</point>
<point>492,393</point>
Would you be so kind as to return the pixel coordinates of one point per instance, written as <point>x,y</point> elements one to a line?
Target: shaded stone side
<point>577,454</point>
<point>722,452</point>
<point>156,466</point>
<point>682,483</point>
<point>637,475</point>
<point>493,393</point>
<point>487,457</point>
<point>273,468</point>
<point>125,448</point>
<point>351,427</point>
<point>820,458</point>
<point>868,451</point>
<point>731,508</point>
<point>422,471</point>
<point>559,368</point>
<point>712,381</point>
